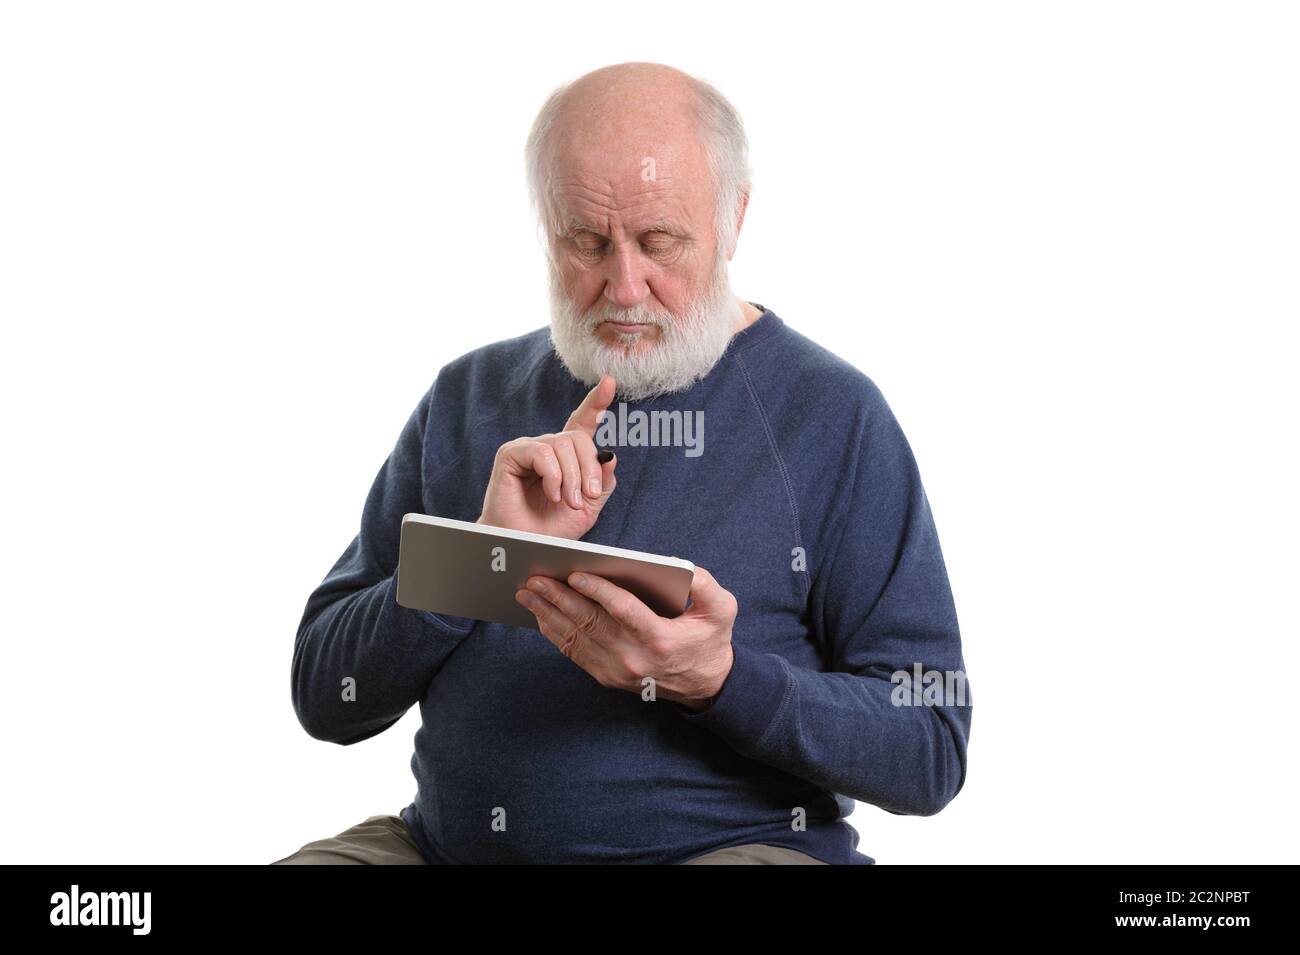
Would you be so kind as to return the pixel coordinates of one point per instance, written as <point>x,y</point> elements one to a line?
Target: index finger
<point>587,415</point>
<point>622,605</point>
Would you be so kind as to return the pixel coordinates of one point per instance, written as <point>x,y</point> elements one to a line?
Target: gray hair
<point>722,135</point>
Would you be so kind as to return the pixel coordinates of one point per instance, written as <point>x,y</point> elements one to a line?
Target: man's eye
<point>658,246</point>
<point>591,251</point>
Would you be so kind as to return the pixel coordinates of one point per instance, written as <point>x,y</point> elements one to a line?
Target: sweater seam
<point>805,584</point>
<point>785,700</point>
<point>469,435</point>
<point>828,566</point>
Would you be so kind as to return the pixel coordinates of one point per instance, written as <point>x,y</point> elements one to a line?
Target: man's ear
<point>740,221</point>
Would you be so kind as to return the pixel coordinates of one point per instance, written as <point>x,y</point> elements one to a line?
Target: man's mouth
<point>628,326</point>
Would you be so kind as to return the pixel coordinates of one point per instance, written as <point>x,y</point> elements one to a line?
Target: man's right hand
<point>553,483</point>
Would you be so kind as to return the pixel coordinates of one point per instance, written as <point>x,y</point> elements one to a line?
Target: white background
<point>237,241</point>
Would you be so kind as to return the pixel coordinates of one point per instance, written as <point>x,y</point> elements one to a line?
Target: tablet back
<point>463,569</point>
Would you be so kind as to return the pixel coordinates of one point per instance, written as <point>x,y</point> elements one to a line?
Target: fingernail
<point>604,455</point>
<point>578,580</point>
<point>594,486</point>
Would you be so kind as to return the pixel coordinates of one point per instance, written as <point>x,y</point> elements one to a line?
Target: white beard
<point>687,348</point>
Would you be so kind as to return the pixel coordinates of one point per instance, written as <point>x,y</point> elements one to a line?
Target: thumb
<point>607,479</point>
<point>710,597</point>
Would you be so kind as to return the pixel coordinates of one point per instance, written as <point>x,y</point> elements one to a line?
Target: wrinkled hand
<point>615,637</point>
<point>553,483</point>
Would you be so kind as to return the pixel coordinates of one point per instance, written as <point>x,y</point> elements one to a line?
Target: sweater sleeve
<point>880,605</point>
<point>360,660</point>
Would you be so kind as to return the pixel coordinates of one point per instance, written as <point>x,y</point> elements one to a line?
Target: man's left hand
<point>615,637</point>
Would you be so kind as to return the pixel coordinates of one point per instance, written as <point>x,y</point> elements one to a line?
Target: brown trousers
<point>385,840</point>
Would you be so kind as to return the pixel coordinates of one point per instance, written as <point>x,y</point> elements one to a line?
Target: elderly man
<point>790,686</point>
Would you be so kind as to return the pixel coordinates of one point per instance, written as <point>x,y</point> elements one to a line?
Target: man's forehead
<point>588,204</point>
<point>643,184</point>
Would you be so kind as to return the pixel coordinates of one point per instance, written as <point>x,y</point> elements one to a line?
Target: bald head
<point>641,117</point>
<point>626,100</point>
<point>639,176</point>
<point>647,87</point>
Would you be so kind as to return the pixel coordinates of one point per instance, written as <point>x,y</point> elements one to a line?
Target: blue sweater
<point>805,503</point>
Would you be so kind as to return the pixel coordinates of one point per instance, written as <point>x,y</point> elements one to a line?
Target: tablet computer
<point>464,569</point>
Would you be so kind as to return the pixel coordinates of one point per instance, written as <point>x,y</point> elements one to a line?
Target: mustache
<point>639,315</point>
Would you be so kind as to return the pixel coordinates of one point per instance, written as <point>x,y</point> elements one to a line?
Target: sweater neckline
<point>756,331</point>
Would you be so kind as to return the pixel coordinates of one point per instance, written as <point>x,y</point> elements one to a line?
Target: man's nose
<point>625,285</point>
